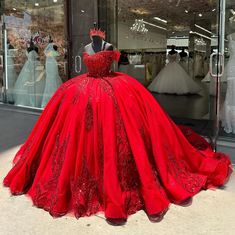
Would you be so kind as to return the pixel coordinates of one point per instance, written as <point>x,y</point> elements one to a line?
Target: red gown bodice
<point>99,64</point>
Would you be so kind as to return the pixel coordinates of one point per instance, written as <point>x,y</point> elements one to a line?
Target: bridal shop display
<point>36,83</point>
<point>30,81</point>
<point>228,111</point>
<point>53,80</point>
<point>173,78</point>
<point>32,76</point>
<point>11,72</point>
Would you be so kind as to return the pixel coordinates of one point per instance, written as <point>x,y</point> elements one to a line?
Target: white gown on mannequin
<point>184,63</point>
<point>11,74</point>
<point>173,79</point>
<point>228,110</point>
<point>30,82</point>
<point>53,80</point>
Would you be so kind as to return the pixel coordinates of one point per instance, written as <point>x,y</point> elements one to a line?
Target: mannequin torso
<point>183,54</point>
<point>172,52</point>
<point>98,44</point>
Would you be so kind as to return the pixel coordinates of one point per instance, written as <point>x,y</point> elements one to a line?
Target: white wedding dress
<point>30,82</point>
<point>228,110</point>
<point>11,74</point>
<point>173,79</point>
<point>53,80</point>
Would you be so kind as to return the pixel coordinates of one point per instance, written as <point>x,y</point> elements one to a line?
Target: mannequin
<point>184,60</point>
<point>98,43</point>
<point>53,80</point>
<point>32,47</point>
<point>123,60</point>
<point>9,45</point>
<point>173,78</point>
<point>172,51</point>
<point>11,72</point>
<point>26,85</point>
<point>183,53</point>
<point>228,110</point>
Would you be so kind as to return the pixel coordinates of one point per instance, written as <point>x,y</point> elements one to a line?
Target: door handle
<point>78,64</point>
<point>219,58</point>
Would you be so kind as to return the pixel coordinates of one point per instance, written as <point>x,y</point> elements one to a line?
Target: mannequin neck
<point>183,53</point>
<point>97,43</point>
<point>172,51</point>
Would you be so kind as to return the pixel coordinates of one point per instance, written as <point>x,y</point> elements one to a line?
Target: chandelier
<point>139,27</point>
<point>232,18</point>
<point>200,42</point>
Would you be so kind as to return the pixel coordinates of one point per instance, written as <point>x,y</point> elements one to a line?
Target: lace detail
<point>195,140</point>
<point>89,116</point>
<point>86,197</point>
<point>180,171</point>
<point>46,193</point>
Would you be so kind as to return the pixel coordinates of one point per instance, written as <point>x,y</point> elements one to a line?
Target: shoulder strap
<point>104,46</point>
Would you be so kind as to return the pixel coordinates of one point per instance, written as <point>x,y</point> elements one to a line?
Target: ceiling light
<point>200,14</point>
<point>213,9</point>
<point>36,4</point>
<point>186,11</point>
<point>200,27</point>
<point>154,25</point>
<point>55,0</point>
<point>82,11</point>
<point>140,11</point>
<point>199,34</point>
<point>200,42</point>
<point>159,19</point>
<point>14,9</point>
<point>178,3</point>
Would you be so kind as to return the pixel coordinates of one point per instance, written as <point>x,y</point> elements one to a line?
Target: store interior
<point>147,30</point>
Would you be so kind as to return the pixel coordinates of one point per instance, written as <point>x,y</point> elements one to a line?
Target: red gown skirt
<point>106,145</point>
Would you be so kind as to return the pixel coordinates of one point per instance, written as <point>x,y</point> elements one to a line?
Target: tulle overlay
<point>104,144</point>
<point>174,79</point>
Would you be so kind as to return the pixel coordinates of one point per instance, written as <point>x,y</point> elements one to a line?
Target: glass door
<point>149,32</point>
<point>227,41</point>
<point>34,51</point>
<point>1,51</point>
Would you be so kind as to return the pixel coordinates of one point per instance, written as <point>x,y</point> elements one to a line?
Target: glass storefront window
<point>227,113</point>
<point>34,51</point>
<point>147,35</point>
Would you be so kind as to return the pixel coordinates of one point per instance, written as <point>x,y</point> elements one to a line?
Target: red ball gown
<point>103,143</point>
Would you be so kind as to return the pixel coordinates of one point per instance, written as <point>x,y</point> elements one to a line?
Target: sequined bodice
<point>99,64</point>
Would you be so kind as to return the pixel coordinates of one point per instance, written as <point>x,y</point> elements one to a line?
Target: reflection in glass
<point>29,29</point>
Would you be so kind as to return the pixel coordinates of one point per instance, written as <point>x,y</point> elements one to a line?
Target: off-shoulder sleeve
<point>116,55</point>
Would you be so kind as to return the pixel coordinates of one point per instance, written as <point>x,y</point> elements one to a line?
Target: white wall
<point>154,39</point>
<point>178,42</point>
